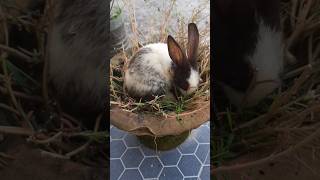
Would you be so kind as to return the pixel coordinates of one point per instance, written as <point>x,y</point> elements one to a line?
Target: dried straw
<point>291,121</point>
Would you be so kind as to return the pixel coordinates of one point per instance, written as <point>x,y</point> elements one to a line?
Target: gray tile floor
<point>130,160</point>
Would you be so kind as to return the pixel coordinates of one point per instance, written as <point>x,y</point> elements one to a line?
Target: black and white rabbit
<point>157,68</point>
<point>78,49</point>
<point>247,51</point>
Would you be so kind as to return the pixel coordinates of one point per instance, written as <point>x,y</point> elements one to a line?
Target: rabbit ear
<point>193,43</point>
<point>175,51</point>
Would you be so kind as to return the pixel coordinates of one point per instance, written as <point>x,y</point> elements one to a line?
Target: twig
<point>6,156</point>
<point>15,53</point>
<point>71,118</point>
<point>3,162</point>
<point>299,70</point>
<point>133,23</point>
<point>83,147</point>
<point>49,14</point>
<point>4,26</point>
<point>6,107</point>
<point>285,97</point>
<point>21,95</point>
<point>307,166</point>
<point>10,91</point>
<point>266,116</point>
<point>49,140</point>
<point>166,21</point>
<point>78,150</point>
<point>293,13</point>
<point>54,155</point>
<point>16,130</point>
<point>267,159</point>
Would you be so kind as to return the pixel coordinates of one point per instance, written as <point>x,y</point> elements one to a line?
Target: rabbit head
<point>185,71</point>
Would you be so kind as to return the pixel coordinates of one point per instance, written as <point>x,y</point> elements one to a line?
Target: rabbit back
<point>78,50</point>
<point>149,71</point>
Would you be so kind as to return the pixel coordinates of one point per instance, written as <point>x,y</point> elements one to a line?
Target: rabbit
<point>156,69</point>
<point>248,49</point>
<point>78,54</point>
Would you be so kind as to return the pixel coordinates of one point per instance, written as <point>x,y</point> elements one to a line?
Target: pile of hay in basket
<point>160,117</point>
<point>291,120</point>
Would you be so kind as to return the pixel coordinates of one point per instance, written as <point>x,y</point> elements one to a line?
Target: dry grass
<point>160,105</point>
<point>291,120</point>
<point>24,93</point>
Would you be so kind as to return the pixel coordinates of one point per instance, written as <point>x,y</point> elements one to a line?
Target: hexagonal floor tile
<point>147,151</point>
<point>132,158</point>
<point>116,168</point>
<point>119,150</point>
<point>189,165</point>
<point>131,174</point>
<point>139,162</point>
<point>208,159</point>
<point>189,146</point>
<point>203,151</point>
<point>205,173</point>
<point>131,140</point>
<point>116,133</point>
<point>150,167</point>
<point>170,157</point>
<point>191,178</point>
<point>170,173</point>
<point>203,134</point>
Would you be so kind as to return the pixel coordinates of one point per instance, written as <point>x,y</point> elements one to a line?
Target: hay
<point>25,94</point>
<point>288,119</point>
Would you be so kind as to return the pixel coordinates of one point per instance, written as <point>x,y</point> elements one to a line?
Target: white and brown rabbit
<point>247,51</point>
<point>158,68</point>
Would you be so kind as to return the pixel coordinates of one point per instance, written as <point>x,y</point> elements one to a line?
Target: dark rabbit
<point>157,68</point>
<point>78,52</point>
<point>247,45</point>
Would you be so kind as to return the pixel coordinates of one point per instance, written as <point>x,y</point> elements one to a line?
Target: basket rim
<point>158,126</point>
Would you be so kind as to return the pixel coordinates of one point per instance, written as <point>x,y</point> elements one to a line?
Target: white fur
<point>268,62</point>
<point>158,59</point>
<point>193,81</point>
